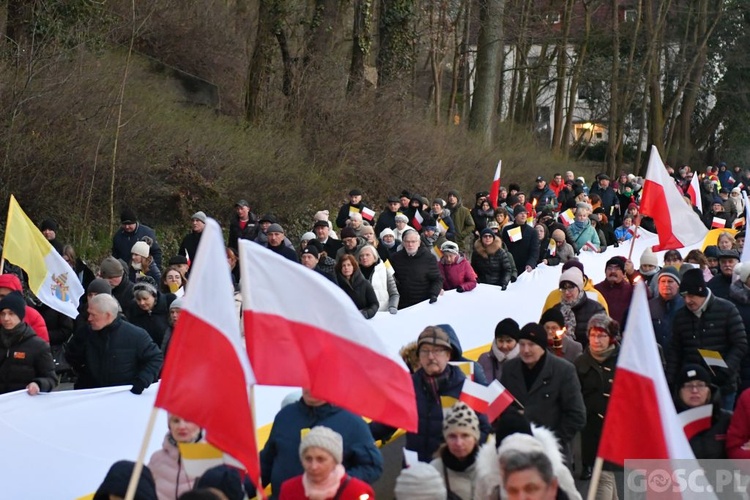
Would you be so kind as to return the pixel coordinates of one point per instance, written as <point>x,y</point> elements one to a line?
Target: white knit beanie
<point>140,248</point>
<point>420,481</point>
<point>743,271</point>
<point>573,275</point>
<point>325,438</point>
<point>648,258</point>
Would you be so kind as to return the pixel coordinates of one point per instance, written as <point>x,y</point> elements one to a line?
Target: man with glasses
<point>711,323</point>
<point>719,284</point>
<point>616,289</point>
<point>665,304</point>
<point>416,272</point>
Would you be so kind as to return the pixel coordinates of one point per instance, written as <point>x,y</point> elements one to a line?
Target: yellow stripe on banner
<point>438,252</point>
<point>447,401</point>
<point>706,353</point>
<point>90,496</point>
<point>467,367</point>
<point>25,246</point>
<point>200,451</point>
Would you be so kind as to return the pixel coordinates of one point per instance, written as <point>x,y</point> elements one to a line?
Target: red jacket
<point>459,274</point>
<point>33,318</point>
<point>739,428</point>
<point>355,489</point>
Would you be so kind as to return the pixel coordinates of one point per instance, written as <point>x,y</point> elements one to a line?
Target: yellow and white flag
<point>197,458</point>
<point>713,358</point>
<point>51,279</point>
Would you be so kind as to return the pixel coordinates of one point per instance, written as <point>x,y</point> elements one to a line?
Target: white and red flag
<point>495,188</point>
<point>207,375</point>
<point>718,222</point>
<point>696,420</point>
<point>694,192</point>
<point>677,224</point>
<point>368,214</point>
<point>491,400</point>
<point>417,220</point>
<point>302,330</point>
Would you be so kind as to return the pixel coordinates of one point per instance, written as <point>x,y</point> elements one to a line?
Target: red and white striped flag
<point>590,247</point>
<point>368,214</point>
<point>738,222</point>
<point>417,220</point>
<point>495,188</point>
<point>718,222</point>
<point>694,192</point>
<point>491,400</point>
<point>696,420</point>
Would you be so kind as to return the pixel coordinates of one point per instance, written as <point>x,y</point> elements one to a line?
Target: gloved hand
<point>433,299</point>
<point>392,310</point>
<point>504,287</point>
<point>460,289</point>
<point>137,388</point>
<point>513,279</point>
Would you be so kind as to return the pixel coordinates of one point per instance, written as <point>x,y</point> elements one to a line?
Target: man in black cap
<point>616,289</point>
<point>547,386</point>
<point>322,231</point>
<point>310,258</point>
<point>711,323</point>
<point>387,217</point>
<point>720,283</point>
<point>543,195</point>
<point>130,232</point>
<point>243,226</point>
<point>355,205</point>
<point>610,202</point>
<point>181,263</point>
<point>49,230</point>
<point>521,241</point>
<point>665,304</point>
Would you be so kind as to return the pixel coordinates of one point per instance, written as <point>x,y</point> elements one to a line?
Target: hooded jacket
<point>169,473</point>
<point>460,273</point>
<point>492,263</point>
<point>155,321</point>
<point>710,444</point>
<point>32,318</point>
<point>457,354</point>
<point>462,219</point>
<point>25,358</point>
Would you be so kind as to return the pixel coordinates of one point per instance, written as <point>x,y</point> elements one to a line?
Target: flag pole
<point>259,487</point>
<point>635,235</point>
<point>594,484</point>
<point>133,484</point>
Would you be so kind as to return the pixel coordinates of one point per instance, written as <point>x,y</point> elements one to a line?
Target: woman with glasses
<point>596,370</point>
<point>490,260</point>
<point>693,388</point>
<point>577,308</point>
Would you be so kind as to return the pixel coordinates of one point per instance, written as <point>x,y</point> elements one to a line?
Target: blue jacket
<point>662,316</point>
<point>280,460</point>
<point>122,243</point>
<point>458,355</point>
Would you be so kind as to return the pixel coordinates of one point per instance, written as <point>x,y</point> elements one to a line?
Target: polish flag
<point>495,188</point>
<point>590,246</point>
<point>491,400</point>
<point>207,374</point>
<point>676,223</point>
<point>641,421</point>
<point>302,330</point>
<point>694,192</point>
<point>368,213</point>
<point>718,223</point>
<point>738,222</point>
<point>417,220</point>
<point>696,420</point>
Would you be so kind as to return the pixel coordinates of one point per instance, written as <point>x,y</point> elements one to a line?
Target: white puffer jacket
<point>384,284</point>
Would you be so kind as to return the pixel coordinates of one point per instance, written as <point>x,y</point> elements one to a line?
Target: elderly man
<point>243,225</point>
<point>720,283</point>
<point>387,217</point>
<point>547,386</point>
<point>280,458</point>
<point>355,205</point>
<point>665,304</point>
<point>189,245</point>
<point>276,242</point>
<point>322,231</point>
<point>310,258</point>
<point>416,271</point>
<point>616,289</point>
<point>711,323</point>
<point>521,241</point>
<point>132,231</point>
<point>114,272</point>
<point>356,222</point>
<point>111,351</point>
<point>25,359</point>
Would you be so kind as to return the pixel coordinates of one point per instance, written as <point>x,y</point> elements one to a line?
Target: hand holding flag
<point>491,400</point>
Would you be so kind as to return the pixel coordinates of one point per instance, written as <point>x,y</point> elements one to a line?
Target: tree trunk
<point>360,45</point>
<point>395,60</point>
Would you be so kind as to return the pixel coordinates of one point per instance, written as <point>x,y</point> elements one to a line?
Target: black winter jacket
<point>711,443</point>
<point>525,252</point>
<point>25,358</point>
<point>361,292</point>
<point>118,354</point>
<point>719,328</point>
<point>122,243</point>
<point>189,245</point>
<point>124,293</point>
<point>249,232</point>
<point>492,263</point>
<point>417,277</point>
<point>155,321</point>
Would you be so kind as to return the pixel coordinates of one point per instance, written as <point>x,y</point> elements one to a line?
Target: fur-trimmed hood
<point>488,475</point>
<point>494,247</point>
<point>410,356</point>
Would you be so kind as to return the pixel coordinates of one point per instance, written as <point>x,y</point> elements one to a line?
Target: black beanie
<point>535,333</point>
<point>691,372</point>
<point>127,216</point>
<point>15,302</point>
<point>693,283</point>
<point>48,224</point>
<point>510,422</point>
<point>553,314</point>
<point>617,261</point>
<point>507,327</point>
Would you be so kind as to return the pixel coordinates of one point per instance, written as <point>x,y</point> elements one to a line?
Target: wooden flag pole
<point>595,475</point>
<point>133,484</point>
<point>635,235</point>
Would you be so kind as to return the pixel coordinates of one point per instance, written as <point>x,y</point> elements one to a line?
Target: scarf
<point>580,224</point>
<point>458,464</point>
<point>570,315</point>
<point>601,357</point>
<point>367,271</point>
<point>434,383</point>
<point>500,356</point>
<point>326,489</point>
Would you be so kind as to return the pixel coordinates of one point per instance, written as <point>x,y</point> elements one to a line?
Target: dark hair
<point>517,461</point>
<point>349,258</point>
<point>697,256</point>
<point>672,255</point>
<point>165,287</point>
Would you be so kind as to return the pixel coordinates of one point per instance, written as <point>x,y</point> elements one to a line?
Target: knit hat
<point>348,232</point>
<point>617,261</point>
<point>711,252</point>
<point>572,275</point>
<point>573,263</point>
<point>242,203</point>
<point>10,281</point>
<point>387,232</point>
<point>439,201</point>
<point>454,192</point>
<point>110,268</point>
<point>603,322</point>
<point>140,248</point>
<point>308,236</point>
<point>267,218</point>
<point>401,218</point>
<point>99,286</point>
<point>225,479</point>
<point>275,228</point>
<point>127,216</point>
<point>321,215</point>
<point>48,224</point>
<point>558,234</point>
<point>520,209</point>
<point>510,422</point>
<point>311,250</point>
<point>178,260</point>
<point>176,304</point>
<point>420,481</point>
<point>691,372</point>
<point>434,335</point>
<point>460,417</point>
<point>144,286</point>
<point>552,314</point>
<point>648,258</point>
<point>743,271</point>
<point>325,438</point>
<point>535,333</point>
<point>449,247</point>
<point>509,328</point>
<point>672,272</point>
<point>201,216</point>
<point>693,283</point>
<point>15,302</point>
<point>487,230</point>
<point>316,244</point>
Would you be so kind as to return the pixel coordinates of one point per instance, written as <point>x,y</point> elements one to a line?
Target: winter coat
<point>739,429</point>
<point>351,489</point>
<point>332,246</point>
<point>327,267</point>
<point>596,386</point>
<point>570,350</point>
<point>32,317</point>
<point>460,483</point>
<point>719,328</point>
<point>493,368</point>
<point>124,293</point>
<point>739,295</point>
<point>618,298</point>
<point>719,285</point>
<point>545,197</point>
<point>491,263</point>
<point>417,276</point>
<point>554,400</point>
<point>584,234</point>
<point>583,312</point>
<point>434,244</point>
<point>462,220</point>
<point>59,326</point>
<point>608,196</point>
<point>118,354</point>
<point>122,243</point>
<point>553,298</point>
<point>481,218</point>
<point>237,232</point>
<point>489,482</point>
<point>662,316</point>
<point>169,473</point>
<point>445,217</point>
<point>361,292</point>
<point>710,444</point>
<point>284,251</point>
<point>525,251</point>
<point>384,284</point>
<point>25,358</point>
<point>344,211</point>
<point>460,273</point>
<point>280,460</point>
<point>387,219</point>
<point>189,245</point>
<point>457,354</point>
<point>155,321</point>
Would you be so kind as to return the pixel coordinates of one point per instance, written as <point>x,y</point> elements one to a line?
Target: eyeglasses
<point>426,353</point>
<point>598,336</point>
<point>695,386</point>
<point>487,236</point>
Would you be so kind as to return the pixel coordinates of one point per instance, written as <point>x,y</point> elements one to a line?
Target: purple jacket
<point>458,274</point>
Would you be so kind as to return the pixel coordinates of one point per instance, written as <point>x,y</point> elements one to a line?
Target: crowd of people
<point>559,369</point>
